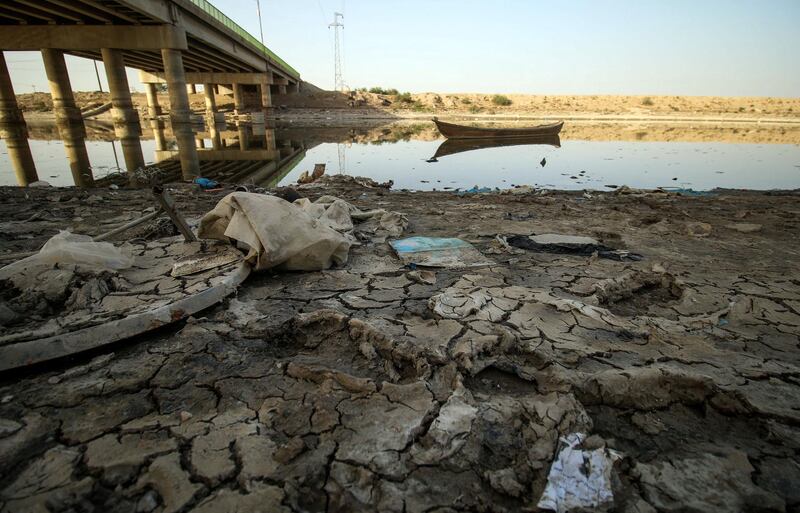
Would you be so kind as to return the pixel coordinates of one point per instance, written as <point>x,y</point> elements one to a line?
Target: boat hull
<point>453,131</point>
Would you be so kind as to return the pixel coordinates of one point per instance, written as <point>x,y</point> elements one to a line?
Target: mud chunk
<point>646,388</point>
<point>698,229</point>
<point>261,497</point>
<point>705,483</point>
<point>171,482</point>
<point>119,458</point>
<point>745,227</point>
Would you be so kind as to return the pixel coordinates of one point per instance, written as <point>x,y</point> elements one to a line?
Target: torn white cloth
<point>342,216</point>
<point>279,234</point>
<point>579,479</point>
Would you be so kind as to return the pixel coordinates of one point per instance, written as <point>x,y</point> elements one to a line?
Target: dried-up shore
<point>367,388</point>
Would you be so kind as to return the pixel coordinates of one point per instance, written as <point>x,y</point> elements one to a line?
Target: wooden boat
<point>452,131</point>
<point>452,146</point>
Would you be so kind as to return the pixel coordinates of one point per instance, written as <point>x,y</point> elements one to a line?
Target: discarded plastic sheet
<point>438,252</point>
<point>212,259</point>
<point>206,183</point>
<point>569,245</point>
<point>278,233</point>
<point>70,248</point>
<point>579,479</point>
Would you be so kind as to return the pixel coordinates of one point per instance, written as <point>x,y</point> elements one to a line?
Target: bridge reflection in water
<point>242,154</point>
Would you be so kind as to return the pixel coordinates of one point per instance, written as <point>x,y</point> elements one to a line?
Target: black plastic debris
<point>569,245</point>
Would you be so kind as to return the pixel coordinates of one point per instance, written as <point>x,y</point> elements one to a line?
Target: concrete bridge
<point>177,42</point>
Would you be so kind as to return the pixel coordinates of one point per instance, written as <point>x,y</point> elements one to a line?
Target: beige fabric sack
<point>278,233</point>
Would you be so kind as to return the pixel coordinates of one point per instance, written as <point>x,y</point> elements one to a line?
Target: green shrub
<point>647,101</point>
<point>466,101</point>
<point>405,98</point>
<point>501,100</point>
<point>475,109</point>
<point>380,90</point>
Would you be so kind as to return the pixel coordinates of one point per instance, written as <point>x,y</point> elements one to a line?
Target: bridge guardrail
<point>218,15</point>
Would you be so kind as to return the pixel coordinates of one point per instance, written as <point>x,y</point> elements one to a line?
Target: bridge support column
<point>191,89</point>
<point>74,139</point>
<point>15,136</point>
<point>187,151</point>
<point>131,146</point>
<point>60,88</point>
<point>266,95</point>
<point>282,89</point>
<point>238,99</point>
<point>153,108</point>
<point>179,112</point>
<point>244,136</point>
<point>211,101</point>
<point>158,134</point>
<point>9,110</point>
<point>123,112</point>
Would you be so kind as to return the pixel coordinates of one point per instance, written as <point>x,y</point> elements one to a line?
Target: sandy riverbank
<point>685,362</point>
<point>363,105</point>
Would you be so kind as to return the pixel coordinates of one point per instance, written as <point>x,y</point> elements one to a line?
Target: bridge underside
<point>175,42</point>
<point>209,45</point>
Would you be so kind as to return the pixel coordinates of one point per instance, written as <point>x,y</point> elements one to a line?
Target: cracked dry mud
<point>367,389</point>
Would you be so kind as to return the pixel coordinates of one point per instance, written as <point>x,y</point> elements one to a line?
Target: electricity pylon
<point>338,79</point>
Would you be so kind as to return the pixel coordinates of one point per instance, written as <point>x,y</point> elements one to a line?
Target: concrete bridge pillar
<point>15,136</point>
<point>266,95</point>
<point>282,89</point>
<point>179,112</point>
<point>123,111</point>
<point>216,139</point>
<point>131,146</point>
<point>187,151</point>
<point>211,101</point>
<point>269,139</point>
<point>244,136</point>
<point>60,88</point>
<point>158,134</point>
<point>153,108</point>
<point>9,110</point>
<point>191,89</point>
<point>238,99</point>
<point>74,139</point>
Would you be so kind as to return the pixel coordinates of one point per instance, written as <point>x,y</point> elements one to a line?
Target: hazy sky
<point>709,47</point>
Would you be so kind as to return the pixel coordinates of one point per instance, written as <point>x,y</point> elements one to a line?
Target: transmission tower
<point>338,80</point>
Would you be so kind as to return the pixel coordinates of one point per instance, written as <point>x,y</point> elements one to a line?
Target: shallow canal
<point>582,158</point>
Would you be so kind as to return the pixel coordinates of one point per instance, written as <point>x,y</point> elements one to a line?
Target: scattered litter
<point>745,227</point>
<point>210,259</point>
<point>579,478</point>
<point>687,192</point>
<point>476,190</point>
<point>277,233</point>
<point>438,252</point>
<point>519,217</point>
<point>569,245</point>
<point>70,248</point>
<point>206,183</point>
<point>39,183</point>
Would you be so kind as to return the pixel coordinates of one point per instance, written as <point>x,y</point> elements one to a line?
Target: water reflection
<point>250,154</point>
<point>590,156</point>
<point>453,146</point>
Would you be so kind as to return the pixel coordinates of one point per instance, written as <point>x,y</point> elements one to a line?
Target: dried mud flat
<point>367,388</point>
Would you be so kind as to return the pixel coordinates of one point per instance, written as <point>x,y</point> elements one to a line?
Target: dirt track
<point>360,389</point>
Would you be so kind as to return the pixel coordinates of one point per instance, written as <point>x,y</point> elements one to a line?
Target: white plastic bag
<point>70,248</point>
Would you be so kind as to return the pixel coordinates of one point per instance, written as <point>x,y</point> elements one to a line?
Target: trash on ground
<point>70,248</point>
<point>277,233</point>
<point>579,478</point>
<point>377,224</point>
<point>438,252</point>
<point>476,190</point>
<point>569,245</point>
<point>206,183</point>
<point>319,170</point>
<point>214,257</point>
